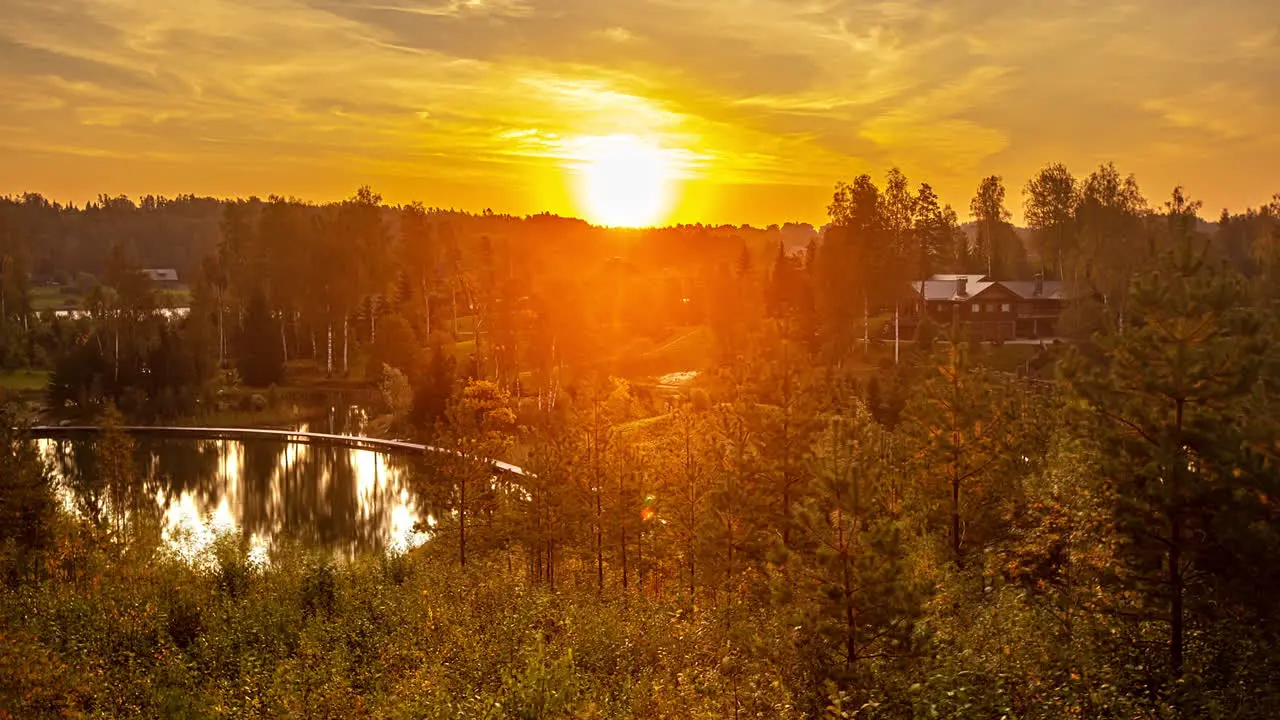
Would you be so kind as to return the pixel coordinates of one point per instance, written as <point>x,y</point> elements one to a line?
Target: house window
<point>991,307</point>
<point>975,307</point>
<point>1006,307</point>
<point>937,307</point>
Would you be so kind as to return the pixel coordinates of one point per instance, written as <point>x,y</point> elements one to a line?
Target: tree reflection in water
<point>351,501</point>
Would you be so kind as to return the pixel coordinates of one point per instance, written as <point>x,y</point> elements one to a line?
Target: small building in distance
<point>992,309</point>
<point>162,276</point>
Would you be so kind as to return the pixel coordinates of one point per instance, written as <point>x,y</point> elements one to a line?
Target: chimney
<point>1039,291</point>
<point>962,286</point>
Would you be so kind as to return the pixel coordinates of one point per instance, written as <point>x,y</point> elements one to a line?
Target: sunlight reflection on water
<point>349,500</point>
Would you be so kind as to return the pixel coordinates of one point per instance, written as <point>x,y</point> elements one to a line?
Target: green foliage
<point>397,395</point>
<point>1174,399</point>
<point>260,359</point>
<point>27,509</point>
<point>332,640</point>
<point>845,584</point>
<point>963,428</point>
<point>396,346</point>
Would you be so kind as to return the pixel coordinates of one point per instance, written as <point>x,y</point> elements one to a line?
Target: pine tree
<point>855,264</point>
<point>735,496</point>
<point>260,357</point>
<point>116,473</point>
<point>787,424</point>
<point>554,506</point>
<point>932,235</point>
<point>481,424</point>
<point>27,503</point>
<point>782,299</point>
<point>962,427</point>
<point>848,589</point>
<point>1169,396</point>
<point>686,458</point>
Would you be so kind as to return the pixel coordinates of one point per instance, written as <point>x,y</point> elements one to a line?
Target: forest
<point>815,521</point>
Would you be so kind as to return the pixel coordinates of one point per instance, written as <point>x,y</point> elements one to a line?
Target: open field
<point>66,297</point>
<point>24,380</point>
<point>53,297</point>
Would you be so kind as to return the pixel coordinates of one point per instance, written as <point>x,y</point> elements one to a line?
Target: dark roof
<point>1052,289</point>
<point>161,274</point>
<point>937,288</point>
<point>946,289</point>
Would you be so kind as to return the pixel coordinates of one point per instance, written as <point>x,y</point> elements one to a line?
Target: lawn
<point>52,297</point>
<point>689,349</point>
<point>1007,358</point>
<point>24,380</point>
<point>176,297</point>
<point>65,297</point>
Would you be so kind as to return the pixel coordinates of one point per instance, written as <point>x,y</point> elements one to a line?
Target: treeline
<point>529,302</point>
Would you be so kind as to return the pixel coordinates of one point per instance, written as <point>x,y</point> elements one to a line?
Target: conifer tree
<point>849,591</point>
<point>481,424</point>
<point>961,425</point>
<point>260,357</point>
<point>735,496</point>
<point>787,424</point>
<point>116,473</point>
<point>686,458</point>
<point>554,461</point>
<point>27,502</point>
<point>1168,395</point>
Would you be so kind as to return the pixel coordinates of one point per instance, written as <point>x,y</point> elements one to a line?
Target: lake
<point>349,500</point>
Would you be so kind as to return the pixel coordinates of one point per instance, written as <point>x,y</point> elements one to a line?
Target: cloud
<point>770,93</point>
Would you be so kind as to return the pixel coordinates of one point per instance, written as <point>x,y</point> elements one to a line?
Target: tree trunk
<point>624,557</point>
<point>328,364</point>
<point>955,519</point>
<point>222,343</point>
<point>346,346</point>
<point>1175,554</point>
<point>786,509</point>
<point>595,480</point>
<point>462,520</point>
<point>955,458</point>
<point>866,325</point>
<point>850,618</point>
<point>728,526</point>
<point>689,475</point>
<point>896,336</point>
<point>426,305</point>
<point>640,559</point>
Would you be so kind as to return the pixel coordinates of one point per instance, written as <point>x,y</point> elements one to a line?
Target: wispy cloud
<point>440,98</point>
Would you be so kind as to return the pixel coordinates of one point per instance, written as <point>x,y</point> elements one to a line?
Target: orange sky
<point>756,107</point>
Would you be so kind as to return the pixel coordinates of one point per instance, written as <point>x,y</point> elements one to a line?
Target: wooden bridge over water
<point>54,432</point>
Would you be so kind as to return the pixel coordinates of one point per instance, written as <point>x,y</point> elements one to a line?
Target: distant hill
<point>63,241</point>
<point>1028,240</point>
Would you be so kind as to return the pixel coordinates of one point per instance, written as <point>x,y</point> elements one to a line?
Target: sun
<point>624,180</point>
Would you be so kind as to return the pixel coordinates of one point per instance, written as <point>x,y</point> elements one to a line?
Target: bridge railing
<point>207,433</point>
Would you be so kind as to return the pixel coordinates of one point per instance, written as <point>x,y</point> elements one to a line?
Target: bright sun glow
<point>624,180</point>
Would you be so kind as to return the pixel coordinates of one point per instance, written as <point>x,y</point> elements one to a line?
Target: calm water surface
<point>352,501</point>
